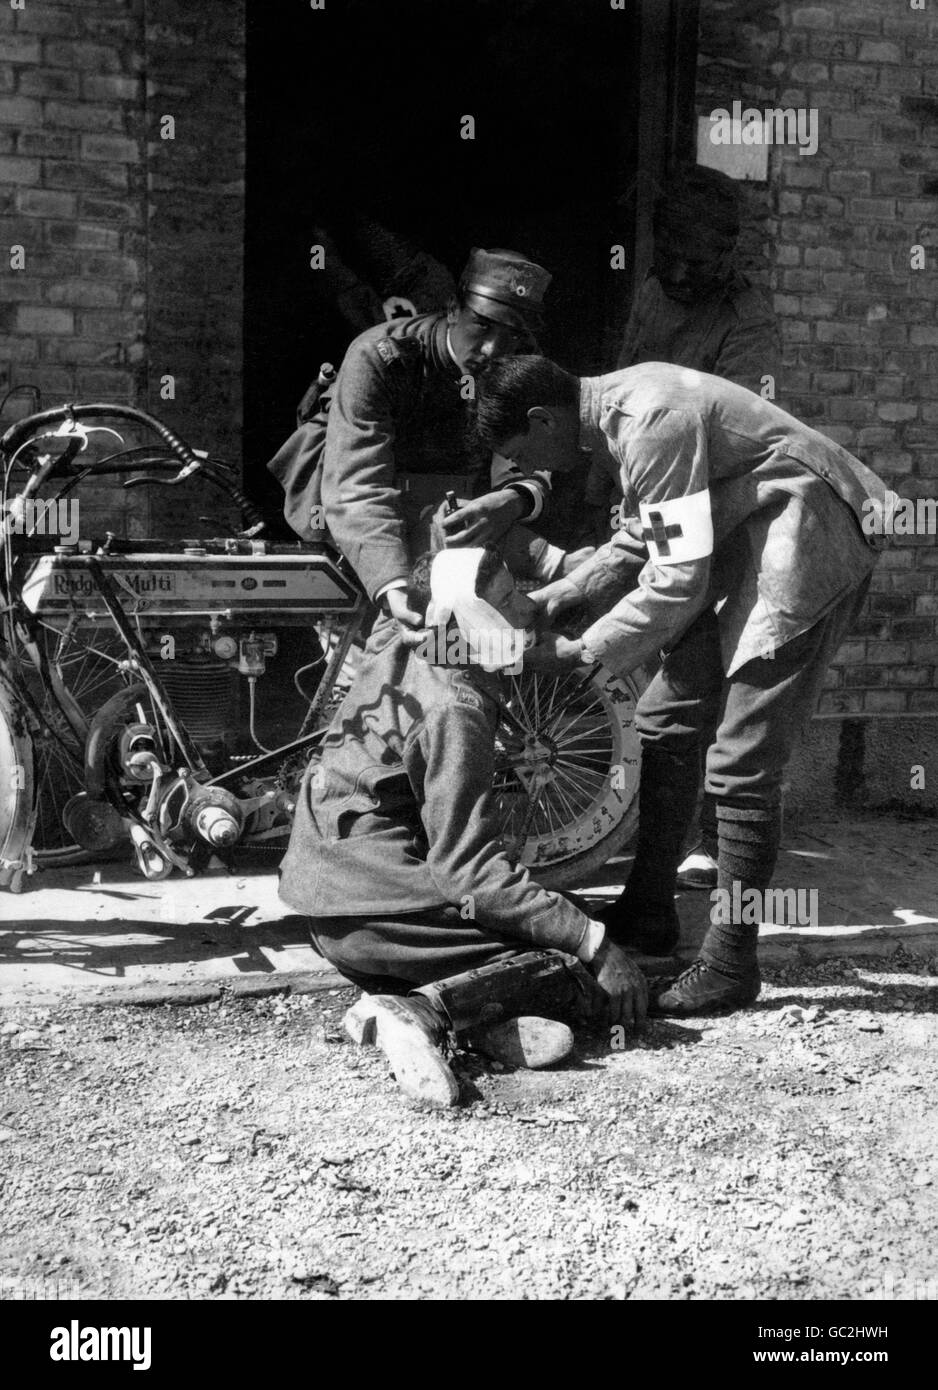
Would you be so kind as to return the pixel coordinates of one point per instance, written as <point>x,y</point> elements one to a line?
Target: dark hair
<point>698,197</point>
<point>508,388</point>
<point>418,589</point>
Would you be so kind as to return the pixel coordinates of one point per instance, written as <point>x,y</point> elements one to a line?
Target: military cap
<point>506,286</point>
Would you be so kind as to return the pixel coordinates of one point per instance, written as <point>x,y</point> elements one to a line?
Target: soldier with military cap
<point>392,436</point>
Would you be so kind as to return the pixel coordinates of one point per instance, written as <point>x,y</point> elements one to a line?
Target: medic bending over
<point>748,565</point>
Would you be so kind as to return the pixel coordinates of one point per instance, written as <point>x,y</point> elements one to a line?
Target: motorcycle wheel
<point>84,667</point>
<point>16,789</point>
<point>579,737</point>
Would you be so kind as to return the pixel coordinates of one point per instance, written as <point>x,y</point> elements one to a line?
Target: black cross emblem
<point>661,534</point>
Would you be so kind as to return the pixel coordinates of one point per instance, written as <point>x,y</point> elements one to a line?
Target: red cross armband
<point>678,530</point>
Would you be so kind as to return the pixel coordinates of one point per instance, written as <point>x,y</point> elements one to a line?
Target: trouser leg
<point>765,707</point>
<point>394,953</point>
<point>681,701</point>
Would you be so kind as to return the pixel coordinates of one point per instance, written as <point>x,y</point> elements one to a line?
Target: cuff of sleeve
<point>593,938</point>
<point>592,642</point>
<point>533,494</point>
<point>391,584</point>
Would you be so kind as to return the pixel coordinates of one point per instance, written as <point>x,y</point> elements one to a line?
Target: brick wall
<point>133,243</point>
<point>830,236</point>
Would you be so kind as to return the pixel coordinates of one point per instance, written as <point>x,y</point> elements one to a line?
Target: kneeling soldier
<point>395,855</point>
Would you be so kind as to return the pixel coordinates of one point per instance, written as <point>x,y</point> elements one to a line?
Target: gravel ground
<point>245,1149</point>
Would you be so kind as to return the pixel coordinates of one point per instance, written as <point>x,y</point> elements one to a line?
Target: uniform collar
<point>440,353</point>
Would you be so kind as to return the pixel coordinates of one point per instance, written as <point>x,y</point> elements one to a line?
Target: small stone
<point>6,1134</point>
<point>217,1157</point>
<point>315,1279</point>
<point>794,1216</point>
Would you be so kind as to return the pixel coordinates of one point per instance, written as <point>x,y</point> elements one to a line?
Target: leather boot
<point>644,918</point>
<point>413,1037</point>
<point>508,1011</point>
<point>726,973</point>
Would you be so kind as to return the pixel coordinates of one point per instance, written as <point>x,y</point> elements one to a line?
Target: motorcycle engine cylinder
<point>203,694</point>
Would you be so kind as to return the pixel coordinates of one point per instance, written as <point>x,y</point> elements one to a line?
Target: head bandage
<point>491,640</point>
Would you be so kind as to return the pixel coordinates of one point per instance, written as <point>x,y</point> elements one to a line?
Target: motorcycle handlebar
<point>18,432</point>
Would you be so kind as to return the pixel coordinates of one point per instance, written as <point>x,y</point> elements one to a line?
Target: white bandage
<point>491,641</point>
<point>678,530</point>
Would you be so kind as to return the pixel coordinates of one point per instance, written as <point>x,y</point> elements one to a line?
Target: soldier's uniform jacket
<point>731,333</point>
<point>400,815</point>
<point>786,504</point>
<point>397,408</point>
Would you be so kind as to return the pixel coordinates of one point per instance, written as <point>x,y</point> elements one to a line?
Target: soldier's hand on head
<point>484,520</point>
<point>552,654</point>
<point>553,598</point>
<point>622,982</point>
<point>409,621</point>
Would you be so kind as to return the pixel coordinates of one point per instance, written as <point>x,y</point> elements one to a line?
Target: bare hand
<point>410,623</point>
<point>623,984</point>
<point>553,598</point>
<point>483,521</point>
<point>575,558</point>
<point>553,654</point>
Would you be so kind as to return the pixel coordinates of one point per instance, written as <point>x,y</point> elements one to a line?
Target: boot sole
<point>703,1007</point>
<point>529,1042</point>
<point>419,1068</point>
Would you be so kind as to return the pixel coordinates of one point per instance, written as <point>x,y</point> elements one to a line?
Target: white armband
<point>678,530</point>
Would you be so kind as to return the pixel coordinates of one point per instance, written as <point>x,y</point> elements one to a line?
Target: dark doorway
<point>355,111</point>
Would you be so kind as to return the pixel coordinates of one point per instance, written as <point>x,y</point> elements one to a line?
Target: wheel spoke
<point>577,787</point>
<point>582,789</point>
<point>517,700</point>
<point>570,811</point>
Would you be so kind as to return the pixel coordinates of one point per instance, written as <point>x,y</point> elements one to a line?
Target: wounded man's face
<point>506,598</point>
